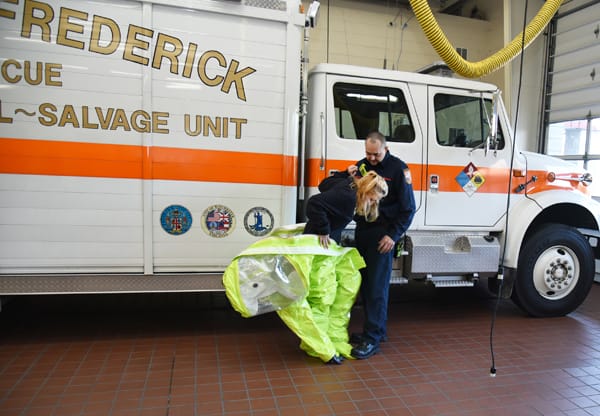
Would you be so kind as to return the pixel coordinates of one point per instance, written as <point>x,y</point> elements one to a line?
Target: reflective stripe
<point>496,179</point>
<point>46,157</point>
<point>61,158</point>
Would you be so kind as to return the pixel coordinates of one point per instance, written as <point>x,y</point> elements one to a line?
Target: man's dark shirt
<point>397,209</point>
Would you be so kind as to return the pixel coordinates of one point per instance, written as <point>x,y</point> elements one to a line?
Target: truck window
<point>360,109</point>
<point>462,121</point>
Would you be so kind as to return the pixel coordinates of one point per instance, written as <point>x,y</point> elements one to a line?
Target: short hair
<point>376,136</point>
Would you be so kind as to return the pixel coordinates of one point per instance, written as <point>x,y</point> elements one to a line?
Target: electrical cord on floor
<point>509,191</point>
<point>495,311</point>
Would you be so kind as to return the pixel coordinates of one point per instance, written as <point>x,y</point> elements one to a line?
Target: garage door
<point>572,107</point>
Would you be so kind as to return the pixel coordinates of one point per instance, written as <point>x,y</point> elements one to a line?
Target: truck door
<point>355,106</point>
<point>465,184</point>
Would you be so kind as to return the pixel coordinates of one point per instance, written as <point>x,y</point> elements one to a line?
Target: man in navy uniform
<point>376,240</point>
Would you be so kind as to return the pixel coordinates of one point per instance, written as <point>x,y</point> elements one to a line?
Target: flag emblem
<point>218,221</point>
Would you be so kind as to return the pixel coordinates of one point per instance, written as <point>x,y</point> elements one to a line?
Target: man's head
<point>375,147</point>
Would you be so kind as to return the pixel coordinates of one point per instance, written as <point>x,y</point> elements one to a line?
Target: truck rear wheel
<point>555,272</point>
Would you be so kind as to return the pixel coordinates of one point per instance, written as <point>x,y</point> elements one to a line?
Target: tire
<point>555,272</point>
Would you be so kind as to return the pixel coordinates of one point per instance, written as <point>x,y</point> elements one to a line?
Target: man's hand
<point>324,240</point>
<point>352,170</point>
<point>386,244</point>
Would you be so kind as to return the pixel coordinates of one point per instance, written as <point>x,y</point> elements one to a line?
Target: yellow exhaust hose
<point>468,69</point>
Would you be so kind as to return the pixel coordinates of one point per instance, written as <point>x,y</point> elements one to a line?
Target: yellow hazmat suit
<point>311,288</point>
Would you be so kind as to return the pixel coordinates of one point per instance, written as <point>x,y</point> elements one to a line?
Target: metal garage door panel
<point>576,68</point>
<point>577,89</point>
<point>574,113</point>
<point>574,58</point>
<point>578,58</point>
<point>579,37</point>
<point>577,78</point>
<point>571,5</point>
<point>577,18</point>
<point>574,106</point>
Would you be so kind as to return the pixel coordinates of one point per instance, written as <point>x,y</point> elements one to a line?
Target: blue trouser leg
<point>375,285</point>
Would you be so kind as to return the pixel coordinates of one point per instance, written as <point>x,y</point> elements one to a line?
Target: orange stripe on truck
<point>496,180</point>
<point>60,158</point>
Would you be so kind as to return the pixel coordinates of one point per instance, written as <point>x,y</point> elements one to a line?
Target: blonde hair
<point>370,184</point>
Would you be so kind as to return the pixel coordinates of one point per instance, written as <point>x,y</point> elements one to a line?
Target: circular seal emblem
<point>258,221</point>
<point>218,221</point>
<point>176,220</point>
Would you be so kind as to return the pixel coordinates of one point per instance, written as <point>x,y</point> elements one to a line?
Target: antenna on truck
<point>309,23</point>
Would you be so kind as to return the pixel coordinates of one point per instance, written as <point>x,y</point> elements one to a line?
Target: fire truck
<point>144,144</point>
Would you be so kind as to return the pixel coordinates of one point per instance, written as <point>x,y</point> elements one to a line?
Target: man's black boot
<point>365,350</point>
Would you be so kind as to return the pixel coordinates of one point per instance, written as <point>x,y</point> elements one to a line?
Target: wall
<point>529,103</point>
<point>388,36</point>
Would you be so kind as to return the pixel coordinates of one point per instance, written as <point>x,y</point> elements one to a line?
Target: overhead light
<point>373,98</point>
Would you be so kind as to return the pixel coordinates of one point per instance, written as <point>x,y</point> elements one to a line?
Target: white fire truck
<point>143,144</point>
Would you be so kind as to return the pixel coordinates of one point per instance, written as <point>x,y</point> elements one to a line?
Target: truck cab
<point>480,201</point>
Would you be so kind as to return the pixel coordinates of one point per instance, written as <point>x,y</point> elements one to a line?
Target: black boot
<point>365,350</point>
<point>336,359</point>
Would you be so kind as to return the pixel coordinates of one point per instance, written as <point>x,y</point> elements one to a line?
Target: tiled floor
<point>191,354</point>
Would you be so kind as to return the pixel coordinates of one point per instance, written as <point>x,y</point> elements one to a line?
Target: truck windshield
<point>360,109</point>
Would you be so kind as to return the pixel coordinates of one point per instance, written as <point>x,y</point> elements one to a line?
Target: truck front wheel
<point>555,272</point>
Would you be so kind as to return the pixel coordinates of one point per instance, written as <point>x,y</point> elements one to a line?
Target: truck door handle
<point>323,143</point>
<point>434,183</point>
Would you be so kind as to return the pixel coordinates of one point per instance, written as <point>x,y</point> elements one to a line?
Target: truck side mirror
<point>312,14</point>
<point>489,119</point>
<point>493,135</point>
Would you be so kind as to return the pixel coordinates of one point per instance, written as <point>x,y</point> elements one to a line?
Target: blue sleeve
<point>331,210</point>
<point>407,208</point>
<point>400,212</point>
<point>316,212</point>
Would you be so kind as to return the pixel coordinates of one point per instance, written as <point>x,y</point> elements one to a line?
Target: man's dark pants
<point>374,290</point>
